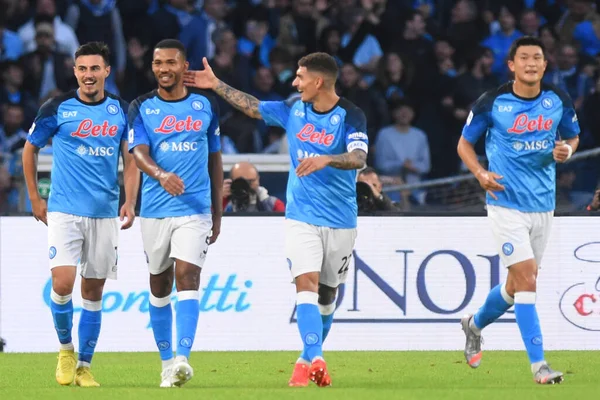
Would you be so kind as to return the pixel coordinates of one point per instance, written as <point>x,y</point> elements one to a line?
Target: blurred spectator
<point>368,99</point>
<point>197,35</point>
<point>64,38</point>
<point>139,78</point>
<point>12,135</point>
<point>578,11</point>
<point>381,201</point>
<point>363,49</point>
<point>12,92</point>
<point>394,77</point>
<point>100,21</point>
<point>15,13</point>
<point>530,22</point>
<point>11,46</point>
<point>501,41</point>
<point>257,43</point>
<point>403,150</point>
<point>47,72</point>
<point>569,76</point>
<point>169,20</point>
<point>242,191</point>
<point>466,29</point>
<point>284,70</point>
<point>300,28</point>
<point>595,204</point>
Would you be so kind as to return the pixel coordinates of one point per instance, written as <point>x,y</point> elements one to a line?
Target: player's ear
<point>186,66</point>
<point>107,71</point>
<point>511,65</point>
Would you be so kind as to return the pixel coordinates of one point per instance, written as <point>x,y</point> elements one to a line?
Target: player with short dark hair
<point>174,136</point>
<point>328,143</point>
<point>88,128</point>
<point>529,127</point>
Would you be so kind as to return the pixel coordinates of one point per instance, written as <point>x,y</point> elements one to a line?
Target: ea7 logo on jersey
<point>504,108</point>
<point>298,113</point>
<point>151,111</point>
<point>69,114</point>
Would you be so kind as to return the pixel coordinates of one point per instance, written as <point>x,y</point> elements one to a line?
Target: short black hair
<point>525,41</point>
<point>320,62</point>
<point>368,171</point>
<point>172,44</point>
<point>94,49</point>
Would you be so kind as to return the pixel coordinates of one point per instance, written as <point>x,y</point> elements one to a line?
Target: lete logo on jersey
<point>308,134</point>
<point>524,124</point>
<point>171,124</point>
<point>87,128</point>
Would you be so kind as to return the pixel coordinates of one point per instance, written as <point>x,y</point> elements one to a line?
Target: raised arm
<point>206,79</point>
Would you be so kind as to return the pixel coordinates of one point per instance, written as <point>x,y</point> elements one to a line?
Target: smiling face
<point>91,71</point>
<point>528,65</point>
<point>168,66</point>
<point>307,83</point>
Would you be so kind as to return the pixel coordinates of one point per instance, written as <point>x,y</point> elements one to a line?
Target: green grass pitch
<point>264,375</point>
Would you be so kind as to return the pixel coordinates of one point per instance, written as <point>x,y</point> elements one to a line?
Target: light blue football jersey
<point>520,137</point>
<point>326,197</point>
<point>180,135</point>
<point>86,142</point>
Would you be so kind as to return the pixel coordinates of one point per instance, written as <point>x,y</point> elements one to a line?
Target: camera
<point>365,197</point>
<point>240,194</point>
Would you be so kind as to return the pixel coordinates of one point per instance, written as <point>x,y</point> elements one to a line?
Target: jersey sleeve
<point>45,124</point>
<point>479,119</point>
<point>125,108</point>
<point>276,113</point>
<point>355,132</point>
<point>137,134</point>
<point>568,126</point>
<point>214,131</point>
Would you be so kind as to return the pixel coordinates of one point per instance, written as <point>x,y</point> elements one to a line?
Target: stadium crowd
<point>413,66</point>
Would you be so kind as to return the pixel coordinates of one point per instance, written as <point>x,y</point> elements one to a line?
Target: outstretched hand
<point>487,180</point>
<point>204,79</point>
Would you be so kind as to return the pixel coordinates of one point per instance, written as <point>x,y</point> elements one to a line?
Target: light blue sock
<point>188,309</point>
<point>327,319</point>
<point>62,314</point>
<point>310,324</point>
<point>89,329</point>
<point>529,325</point>
<point>161,319</point>
<point>496,304</point>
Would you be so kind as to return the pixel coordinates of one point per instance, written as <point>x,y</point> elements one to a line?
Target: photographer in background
<point>595,204</point>
<point>369,195</point>
<point>242,191</point>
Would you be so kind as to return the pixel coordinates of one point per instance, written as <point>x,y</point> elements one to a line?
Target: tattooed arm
<point>242,101</point>
<point>356,159</point>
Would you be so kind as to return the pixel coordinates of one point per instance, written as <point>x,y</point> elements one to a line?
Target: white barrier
<point>411,281</point>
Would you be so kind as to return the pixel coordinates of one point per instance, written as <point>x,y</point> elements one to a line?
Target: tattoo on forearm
<point>242,101</point>
<point>354,160</point>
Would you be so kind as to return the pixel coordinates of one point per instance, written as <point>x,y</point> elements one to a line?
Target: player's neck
<point>325,102</point>
<point>177,93</point>
<point>526,91</point>
<point>91,99</point>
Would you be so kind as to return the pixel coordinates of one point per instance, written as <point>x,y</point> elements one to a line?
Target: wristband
<point>570,150</point>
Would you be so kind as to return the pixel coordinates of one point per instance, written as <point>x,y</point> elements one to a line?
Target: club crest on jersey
<point>87,128</point>
<point>197,105</point>
<point>171,124</point>
<point>112,109</point>
<point>524,124</point>
<point>547,103</point>
<point>335,119</point>
<point>308,134</point>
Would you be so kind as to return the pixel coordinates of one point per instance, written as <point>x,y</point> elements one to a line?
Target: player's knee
<point>63,279</point>
<point>91,289</point>
<point>326,294</point>
<point>308,282</point>
<point>161,285</point>
<point>187,276</point>
<point>522,277</point>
